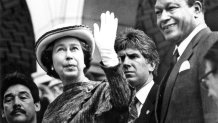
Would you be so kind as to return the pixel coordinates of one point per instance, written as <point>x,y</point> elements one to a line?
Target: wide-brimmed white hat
<point>79,31</point>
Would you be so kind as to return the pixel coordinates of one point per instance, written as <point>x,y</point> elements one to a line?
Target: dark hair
<point>191,3</point>
<point>137,39</point>
<point>212,56</point>
<point>47,56</point>
<point>19,78</point>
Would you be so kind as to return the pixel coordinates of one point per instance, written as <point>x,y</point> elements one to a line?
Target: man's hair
<point>191,3</point>
<point>47,57</point>
<point>137,39</point>
<point>212,56</point>
<point>19,78</point>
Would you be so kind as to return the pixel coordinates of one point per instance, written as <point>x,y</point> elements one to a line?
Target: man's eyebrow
<point>24,92</point>
<point>132,53</point>
<point>10,94</point>
<point>167,5</point>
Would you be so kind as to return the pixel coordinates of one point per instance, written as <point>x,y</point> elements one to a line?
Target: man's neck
<point>150,78</point>
<point>34,120</point>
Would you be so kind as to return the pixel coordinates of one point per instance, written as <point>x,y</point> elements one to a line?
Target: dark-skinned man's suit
<point>183,100</point>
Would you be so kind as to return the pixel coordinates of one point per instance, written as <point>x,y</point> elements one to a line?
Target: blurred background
<point>23,21</point>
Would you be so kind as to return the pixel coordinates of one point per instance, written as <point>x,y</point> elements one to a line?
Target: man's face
<point>18,105</point>
<point>175,19</point>
<point>136,68</point>
<point>211,81</point>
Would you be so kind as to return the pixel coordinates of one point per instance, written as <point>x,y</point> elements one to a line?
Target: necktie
<point>175,56</point>
<point>173,62</point>
<point>133,110</point>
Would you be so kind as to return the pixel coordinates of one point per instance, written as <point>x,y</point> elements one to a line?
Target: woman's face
<point>68,59</point>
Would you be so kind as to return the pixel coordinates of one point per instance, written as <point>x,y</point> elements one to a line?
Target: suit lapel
<point>175,71</point>
<point>159,97</point>
<point>148,106</point>
<point>150,99</point>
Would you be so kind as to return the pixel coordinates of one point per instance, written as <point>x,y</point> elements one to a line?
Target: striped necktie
<point>175,57</point>
<point>133,110</point>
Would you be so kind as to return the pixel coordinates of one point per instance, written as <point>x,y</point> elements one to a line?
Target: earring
<point>52,68</point>
<point>3,114</point>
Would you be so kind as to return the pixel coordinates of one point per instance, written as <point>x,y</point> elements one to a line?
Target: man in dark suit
<point>138,58</point>
<point>180,98</point>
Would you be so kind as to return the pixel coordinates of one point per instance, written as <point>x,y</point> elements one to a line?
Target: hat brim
<point>80,32</point>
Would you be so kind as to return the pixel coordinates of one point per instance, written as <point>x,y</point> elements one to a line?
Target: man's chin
<point>171,38</point>
<point>19,119</point>
<point>131,81</point>
<point>174,37</point>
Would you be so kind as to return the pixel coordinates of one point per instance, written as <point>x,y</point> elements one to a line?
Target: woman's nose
<point>69,55</point>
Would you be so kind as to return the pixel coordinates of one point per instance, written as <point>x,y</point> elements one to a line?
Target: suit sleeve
<point>121,91</point>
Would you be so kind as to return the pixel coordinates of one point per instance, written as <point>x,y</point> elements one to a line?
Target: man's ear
<point>198,8</point>
<point>151,66</point>
<point>37,106</point>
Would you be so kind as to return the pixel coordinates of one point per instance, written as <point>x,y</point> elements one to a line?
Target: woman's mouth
<point>69,66</point>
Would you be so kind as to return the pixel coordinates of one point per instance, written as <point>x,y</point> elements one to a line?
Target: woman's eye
<point>60,49</point>
<point>74,48</point>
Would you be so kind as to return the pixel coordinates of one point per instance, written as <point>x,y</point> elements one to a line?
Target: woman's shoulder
<point>99,84</point>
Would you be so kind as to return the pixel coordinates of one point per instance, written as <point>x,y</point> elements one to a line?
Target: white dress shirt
<point>184,43</point>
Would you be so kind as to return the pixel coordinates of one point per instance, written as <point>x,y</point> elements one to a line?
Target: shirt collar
<point>184,43</point>
<point>143,92</point>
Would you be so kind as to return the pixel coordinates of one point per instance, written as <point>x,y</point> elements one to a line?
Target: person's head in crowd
<point>56,87</point>
<point>138,55</point>
<point>20,98</point>
<point>176,19</point>
<point>45,93</point>
<point>210,79</point>
<point>65,52</point>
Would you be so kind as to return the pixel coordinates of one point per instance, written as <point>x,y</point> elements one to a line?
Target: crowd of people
<point>130,62</point>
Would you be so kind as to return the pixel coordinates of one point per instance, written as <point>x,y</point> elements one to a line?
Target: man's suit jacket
<point>183,100</point>
<point>147,112</point>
